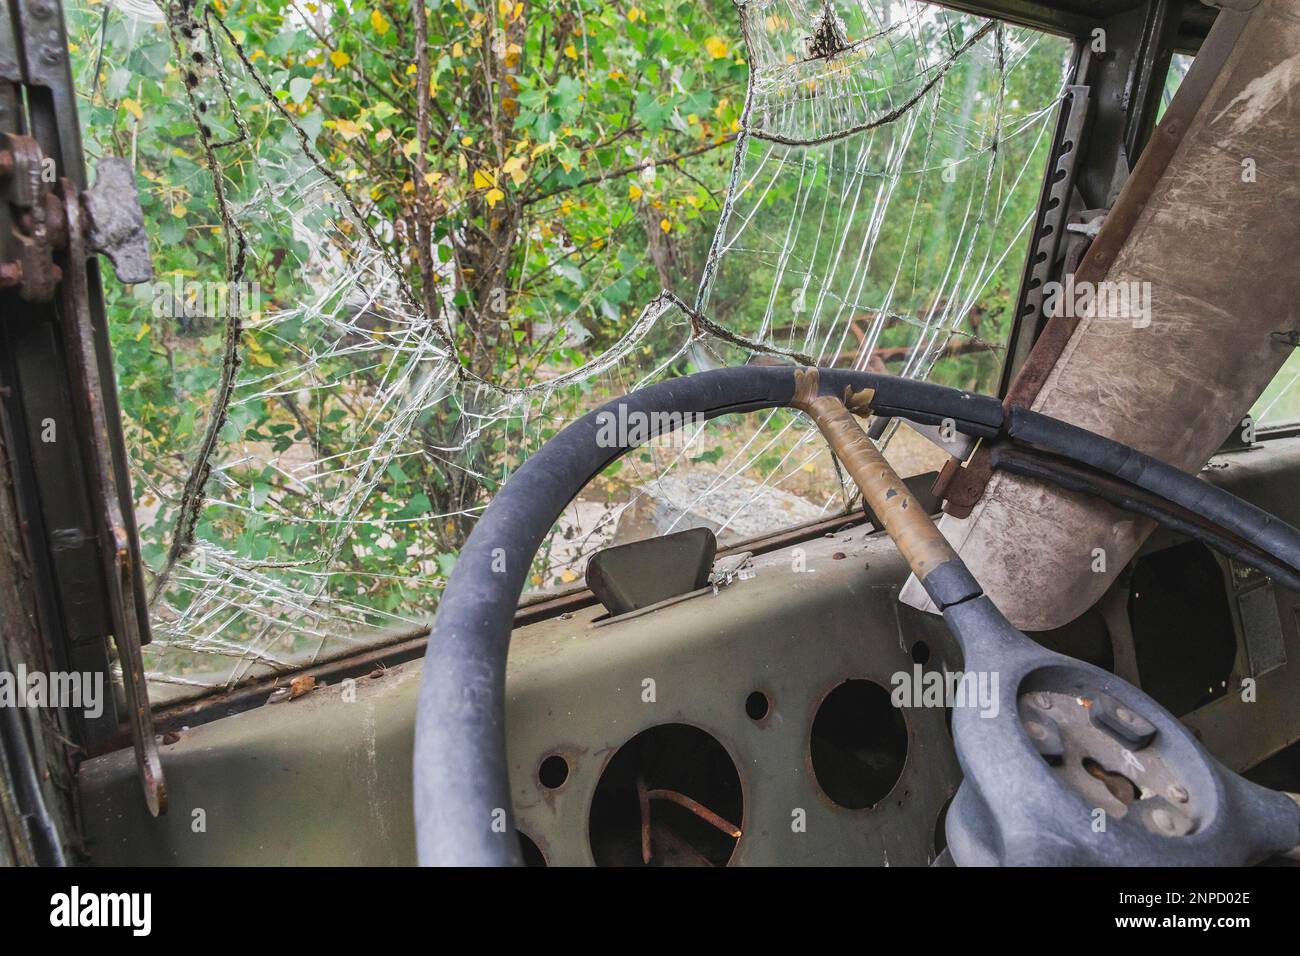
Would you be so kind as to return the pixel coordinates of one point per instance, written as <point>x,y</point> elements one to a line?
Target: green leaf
<point>299,87</point>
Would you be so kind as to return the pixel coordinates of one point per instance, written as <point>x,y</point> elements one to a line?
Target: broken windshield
<point>396,252</point>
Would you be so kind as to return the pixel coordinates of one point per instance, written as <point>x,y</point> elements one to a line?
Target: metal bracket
<point>34,223</point>
<point>58,366</point>
<point>116,220</point>
<point>636,575</point>
<point>1053,210</point>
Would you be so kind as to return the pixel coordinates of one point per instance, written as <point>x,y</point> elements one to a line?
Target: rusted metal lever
<point>916,536</point>
<point>129,612</point>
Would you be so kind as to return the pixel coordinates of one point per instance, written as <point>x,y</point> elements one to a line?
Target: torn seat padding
<point>1217,240</point>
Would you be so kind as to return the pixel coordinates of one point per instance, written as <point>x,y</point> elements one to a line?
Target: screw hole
<point>921,652</point>
<point>553,772</point>
<point>757,705</point>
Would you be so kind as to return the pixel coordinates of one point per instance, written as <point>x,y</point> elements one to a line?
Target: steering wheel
<point>1021,801</point>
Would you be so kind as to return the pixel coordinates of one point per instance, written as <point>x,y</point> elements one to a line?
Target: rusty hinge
<point>38,220</point>
<point>35,219</point>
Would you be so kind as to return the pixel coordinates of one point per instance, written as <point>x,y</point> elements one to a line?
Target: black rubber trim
<point>1124,495</point>
<point>463,805</point>
<point>1254,525</point>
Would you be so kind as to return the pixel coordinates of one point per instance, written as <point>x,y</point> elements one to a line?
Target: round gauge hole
<point>533,855</point>
<point>941,828</point>
<point>553,772</point>
<point>921,653</point>
<point>858,745</point>
<point>757,705</point>
<point>670,796</point>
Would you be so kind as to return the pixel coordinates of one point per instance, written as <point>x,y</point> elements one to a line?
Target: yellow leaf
<point>457,50</point>
<point>411,70</point>
<point>409,148</point>
<point>494,196</point>
<point>132,107</point>
<point>665,225</point>
<point>717,47</point>
<point>378,23</point>
<point>633,192</point>
<point>484,179</point>
<point>568,576</point>
<point>571,52</point>
<point>634,14</point>
<point>347,129</point>
<point>514,168</point>
<point>179,211</point>
<point>340,59</point>
<point>467,141</point>
<point>384,135</point>
<point>144,330</point>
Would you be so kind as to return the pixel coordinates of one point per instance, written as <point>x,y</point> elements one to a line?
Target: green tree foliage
<point>519,178</point>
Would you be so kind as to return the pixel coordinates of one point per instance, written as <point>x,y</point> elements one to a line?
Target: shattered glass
<point>883,181</point>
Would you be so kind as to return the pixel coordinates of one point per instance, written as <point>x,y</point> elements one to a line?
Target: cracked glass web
<point>884,177</point>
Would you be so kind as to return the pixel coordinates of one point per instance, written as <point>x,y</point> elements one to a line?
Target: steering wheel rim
<point>463,808</point>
